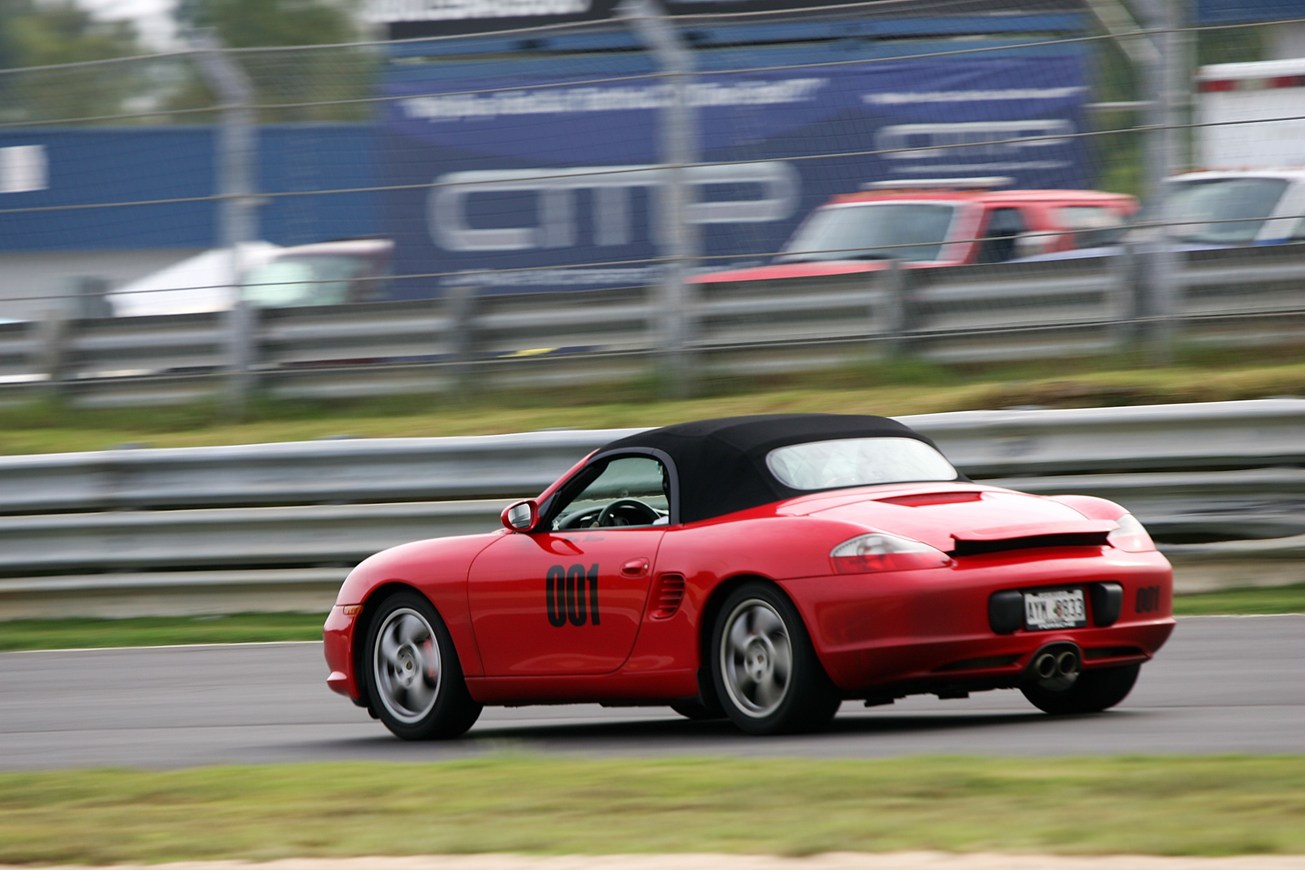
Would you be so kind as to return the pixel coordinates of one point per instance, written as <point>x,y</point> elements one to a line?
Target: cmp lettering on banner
<point>23,169</point>
<point>609,190</point>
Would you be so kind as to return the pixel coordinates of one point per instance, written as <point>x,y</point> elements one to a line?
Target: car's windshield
<point>856,462</point>
<point>1227,211</point>
<point>878,230</point>
<point>304,279</point>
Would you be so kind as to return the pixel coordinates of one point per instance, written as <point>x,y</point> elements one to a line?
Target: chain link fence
<point>696,158</point>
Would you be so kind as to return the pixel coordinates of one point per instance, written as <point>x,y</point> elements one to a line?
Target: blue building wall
<point>107,189</point>
<point>1248,11</point>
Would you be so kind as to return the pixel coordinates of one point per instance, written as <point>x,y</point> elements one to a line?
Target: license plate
<point>1057,608</point>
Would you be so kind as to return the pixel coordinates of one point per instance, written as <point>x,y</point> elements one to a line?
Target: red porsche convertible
<point>761,568</point>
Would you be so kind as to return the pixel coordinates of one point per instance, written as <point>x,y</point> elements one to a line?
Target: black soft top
<point>721,463</point>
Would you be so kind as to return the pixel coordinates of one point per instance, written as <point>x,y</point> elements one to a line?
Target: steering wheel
<point>580,519</point>
<point>609,515</point>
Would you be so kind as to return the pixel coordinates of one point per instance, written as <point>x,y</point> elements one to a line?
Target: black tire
<point>414,680</point>
<point>764,672</point>
<point>1092,692</point>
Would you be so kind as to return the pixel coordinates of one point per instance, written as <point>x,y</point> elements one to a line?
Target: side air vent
<point>1031,542</point>
<point>667,596</point>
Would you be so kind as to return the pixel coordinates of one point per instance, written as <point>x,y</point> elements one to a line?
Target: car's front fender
<point>437,568</point>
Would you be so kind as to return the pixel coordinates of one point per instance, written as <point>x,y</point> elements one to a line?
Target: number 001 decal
<point>572,595</point>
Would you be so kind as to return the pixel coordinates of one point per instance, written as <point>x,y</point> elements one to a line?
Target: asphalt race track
<point>1221,685</point>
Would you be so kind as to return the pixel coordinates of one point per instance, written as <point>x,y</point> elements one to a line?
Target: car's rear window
<point>841,462</point>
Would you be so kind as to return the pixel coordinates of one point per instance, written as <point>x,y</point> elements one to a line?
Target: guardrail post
<point>1128,303</point>
<point>896,309</point>
<point>248,321</point>
<point>461,300</point>
<point>90,298</point>
<point>52,346</point>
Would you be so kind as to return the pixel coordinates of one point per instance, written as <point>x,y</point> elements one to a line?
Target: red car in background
<point>763,569</point>
<point>939,222</point>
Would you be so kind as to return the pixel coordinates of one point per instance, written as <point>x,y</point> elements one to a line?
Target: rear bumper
<point>915,630</point>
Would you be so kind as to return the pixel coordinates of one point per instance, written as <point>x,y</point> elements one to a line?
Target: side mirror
<point>521,516</point>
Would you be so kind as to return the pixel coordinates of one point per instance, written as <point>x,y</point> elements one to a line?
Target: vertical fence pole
<point>679,152</point>
<point>238,220</point>
<point>1175,84</point>
<point>1167,79</point>
<point>1134,269</point>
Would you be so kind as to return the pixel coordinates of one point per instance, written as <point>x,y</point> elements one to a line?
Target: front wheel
<point>1091,692</point>
<point>764,671</point>
<point>414,680</point>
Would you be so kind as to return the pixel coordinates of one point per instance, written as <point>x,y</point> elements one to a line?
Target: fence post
<point>679,152</point>
<point>236,154</point>
<point>1167,80</point>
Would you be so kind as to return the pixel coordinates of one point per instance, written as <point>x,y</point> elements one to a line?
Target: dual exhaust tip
<point>1056,666</point>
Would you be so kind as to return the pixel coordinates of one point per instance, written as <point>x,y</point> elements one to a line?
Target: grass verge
<point>1243,602</point>
<point>37,634</point>
<point>85,633</point>
<point>526,804</point>
<point>894,389</point>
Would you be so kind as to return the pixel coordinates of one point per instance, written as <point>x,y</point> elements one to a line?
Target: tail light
<point>1131,536</point>
<point>866,554</point>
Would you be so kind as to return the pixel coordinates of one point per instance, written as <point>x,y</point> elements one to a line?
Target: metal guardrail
<point>318,472</point>
<point>1242,297</point>
<point>986,444</point>
<point>277,526</point>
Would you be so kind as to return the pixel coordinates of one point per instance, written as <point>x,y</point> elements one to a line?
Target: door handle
<point>635,567</point>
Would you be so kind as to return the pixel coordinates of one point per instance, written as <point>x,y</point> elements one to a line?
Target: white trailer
<point>1252,115</point>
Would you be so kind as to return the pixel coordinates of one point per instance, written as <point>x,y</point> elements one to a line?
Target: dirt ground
<point>834,861</point>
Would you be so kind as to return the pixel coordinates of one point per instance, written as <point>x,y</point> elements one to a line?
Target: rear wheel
<point>1090,692</point>
<point>698,711</point>
<point>764,671</point>
<point>414,680</point>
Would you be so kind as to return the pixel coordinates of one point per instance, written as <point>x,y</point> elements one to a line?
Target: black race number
<point>572,595</point>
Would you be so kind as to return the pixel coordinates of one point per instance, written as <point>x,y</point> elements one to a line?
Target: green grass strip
<point>87,633</point>
<point>526,804</point>
<point>892,388</point>
<point>38,634</point>
<point>1243,602</point>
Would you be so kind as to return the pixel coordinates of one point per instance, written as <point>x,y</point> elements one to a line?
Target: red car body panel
<point>1039,209</point>
<point>504,594</point>
<point>638,635</point>
<point>890,629</point>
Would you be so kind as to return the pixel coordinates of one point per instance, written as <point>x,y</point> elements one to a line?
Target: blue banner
<point>513,175</point>
<point>94,188</point>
